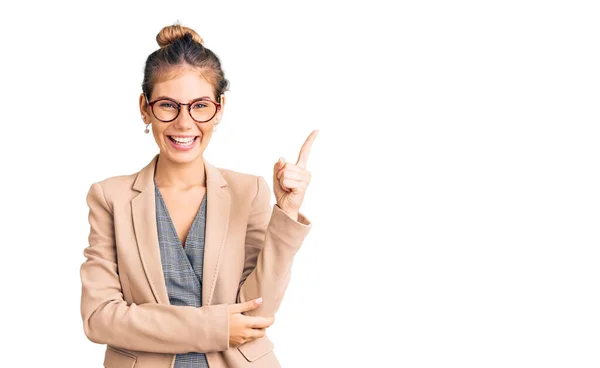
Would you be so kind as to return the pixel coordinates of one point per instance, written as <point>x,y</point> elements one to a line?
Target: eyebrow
<point>194,99</point>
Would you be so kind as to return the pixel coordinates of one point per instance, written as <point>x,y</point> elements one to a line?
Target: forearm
<point>271,275</point>
<point>158,328</point>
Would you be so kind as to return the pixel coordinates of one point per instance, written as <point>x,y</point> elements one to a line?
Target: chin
<point>185,155</point>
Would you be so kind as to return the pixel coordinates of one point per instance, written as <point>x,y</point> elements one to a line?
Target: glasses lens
<point>203,110</point>
<point>165,110</point>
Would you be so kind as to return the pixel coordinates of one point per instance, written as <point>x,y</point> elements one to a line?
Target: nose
<point>184,121</point>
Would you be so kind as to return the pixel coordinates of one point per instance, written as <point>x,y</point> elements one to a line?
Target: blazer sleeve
<point>272,240</point>
<point>151,327</point>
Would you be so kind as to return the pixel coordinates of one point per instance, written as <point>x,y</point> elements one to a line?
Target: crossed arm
<point>272,239</point>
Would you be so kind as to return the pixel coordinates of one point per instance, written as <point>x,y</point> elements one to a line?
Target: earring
<point>144,120</point>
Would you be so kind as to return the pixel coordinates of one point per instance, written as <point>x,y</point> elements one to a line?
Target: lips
<point>182,143</point>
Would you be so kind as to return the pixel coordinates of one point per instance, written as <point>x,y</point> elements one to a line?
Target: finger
<point>293,174</point>
<point>255,333</point>
<point>292,167</point>
<point>295,186</point>
<point>305,150</point>
<point>246,306</point>
<point>259,322</point>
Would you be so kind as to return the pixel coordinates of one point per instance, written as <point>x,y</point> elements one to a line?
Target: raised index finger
<point>305,150</point>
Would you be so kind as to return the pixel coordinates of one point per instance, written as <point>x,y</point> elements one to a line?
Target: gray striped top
<point>182,267</point>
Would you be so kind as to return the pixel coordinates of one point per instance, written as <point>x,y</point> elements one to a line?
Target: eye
<point>166,105</point>
<point>199,105</point>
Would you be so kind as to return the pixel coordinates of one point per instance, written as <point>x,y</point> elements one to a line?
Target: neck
<point>169,174</point>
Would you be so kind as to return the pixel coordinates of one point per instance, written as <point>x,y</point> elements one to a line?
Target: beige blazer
<point>249,249</point>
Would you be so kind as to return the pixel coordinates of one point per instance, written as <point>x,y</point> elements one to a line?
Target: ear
<point>222,109</point>
<point>144,109</point>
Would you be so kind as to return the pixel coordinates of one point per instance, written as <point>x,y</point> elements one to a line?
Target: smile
<point>182,143</point>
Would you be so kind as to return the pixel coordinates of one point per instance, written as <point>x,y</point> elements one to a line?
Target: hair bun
<point>169,34</point>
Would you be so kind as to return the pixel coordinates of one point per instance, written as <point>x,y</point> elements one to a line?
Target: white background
<point>455,191</point>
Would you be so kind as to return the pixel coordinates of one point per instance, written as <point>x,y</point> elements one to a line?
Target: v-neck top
<point>182,267</point>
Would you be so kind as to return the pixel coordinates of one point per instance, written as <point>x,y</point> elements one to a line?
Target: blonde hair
<point>181,48</point>
<point>168,34</point>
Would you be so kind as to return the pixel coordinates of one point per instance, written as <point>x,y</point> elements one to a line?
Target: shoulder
<point>244,184</point>
<point>115,189</point>
<point>117,182</point>
<point>232,176</point>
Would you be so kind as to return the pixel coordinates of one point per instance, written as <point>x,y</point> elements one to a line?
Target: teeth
<point>183,140</point>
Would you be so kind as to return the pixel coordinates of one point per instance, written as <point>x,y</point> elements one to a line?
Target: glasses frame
<point>189,108</point>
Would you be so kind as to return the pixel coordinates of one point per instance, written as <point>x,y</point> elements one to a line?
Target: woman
<point>188,263</point>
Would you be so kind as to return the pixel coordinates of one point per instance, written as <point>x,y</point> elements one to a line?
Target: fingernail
<point>259,300</point>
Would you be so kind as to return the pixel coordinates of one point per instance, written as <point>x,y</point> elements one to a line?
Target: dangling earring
<point>147,124</point>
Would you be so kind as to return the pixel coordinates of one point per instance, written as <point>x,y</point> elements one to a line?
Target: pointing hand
<point>291,180</point>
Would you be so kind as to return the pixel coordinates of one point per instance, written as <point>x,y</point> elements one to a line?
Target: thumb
<point>278,166</point>
<point>246,306</point>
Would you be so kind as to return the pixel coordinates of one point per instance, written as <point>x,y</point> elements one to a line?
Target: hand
<point>244,328</point>
<point>291,180</point>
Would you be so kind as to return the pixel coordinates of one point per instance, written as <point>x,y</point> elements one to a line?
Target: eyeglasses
<point>167,109</point>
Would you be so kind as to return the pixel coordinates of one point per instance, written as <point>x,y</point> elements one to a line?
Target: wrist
<point>293,214</point>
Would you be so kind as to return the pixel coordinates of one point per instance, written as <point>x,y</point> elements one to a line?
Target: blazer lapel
<point>143,210</point>
<point>217,222</point>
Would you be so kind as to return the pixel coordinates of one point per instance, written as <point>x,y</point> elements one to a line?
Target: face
<point>182,140</point>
